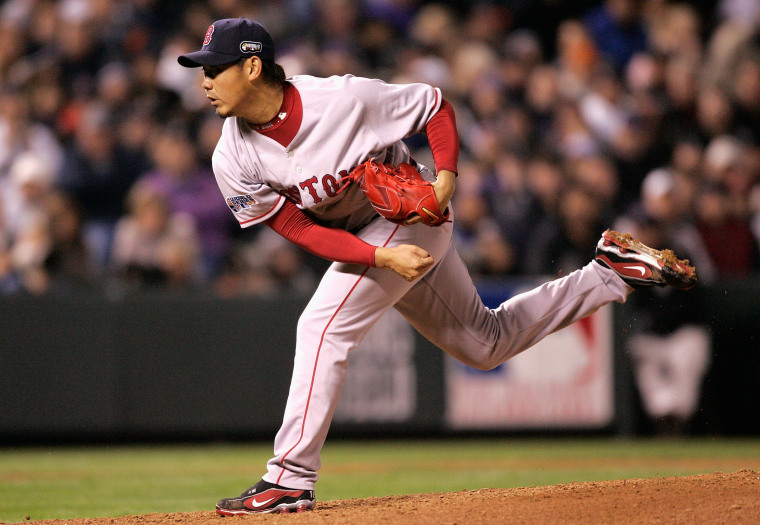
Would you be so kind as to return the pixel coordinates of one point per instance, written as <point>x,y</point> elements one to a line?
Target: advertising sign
<point>564,381</point>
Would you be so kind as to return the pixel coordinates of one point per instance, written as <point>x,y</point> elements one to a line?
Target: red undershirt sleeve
<point>329,243</point>
<point>443,138</point>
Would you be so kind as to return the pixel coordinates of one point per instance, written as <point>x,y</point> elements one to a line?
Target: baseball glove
<point>398,193</point>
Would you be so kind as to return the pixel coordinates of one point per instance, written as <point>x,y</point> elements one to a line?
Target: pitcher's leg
<point>346,305</point>
<point>445,307</point>
<point>340,313</point>
<point>529,317</point>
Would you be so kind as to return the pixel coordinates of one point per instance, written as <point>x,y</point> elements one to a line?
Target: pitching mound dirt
<point>711,498</point>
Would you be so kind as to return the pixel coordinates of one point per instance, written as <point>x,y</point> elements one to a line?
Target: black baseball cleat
<point>267,498</point>
<point>641,266</point>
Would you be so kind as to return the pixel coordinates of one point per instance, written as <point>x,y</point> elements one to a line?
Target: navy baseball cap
<point>229,40</point>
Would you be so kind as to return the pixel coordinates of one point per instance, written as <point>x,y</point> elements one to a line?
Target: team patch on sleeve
<point>238,203</point>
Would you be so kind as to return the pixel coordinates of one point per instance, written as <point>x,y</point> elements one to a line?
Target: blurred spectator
<point>542,99</point>
<point>686,156</point>
<point>507,197</point>
<point>26,224</point>
<point>12,45</point>
<point>745,12</point>
<point>714,112</point>
<point>545,178</point>
<point>675,29</point>
<point>153,246</point>
<point>681,87</point>
<point>78,47</point>
<point>723,207</point>
<point>209,131</point>
<point>435,29</point>
<point>113,87</point>
<point>573,137</point>
<point>667,198</point>
<point>487,22</point>
<point>670,345</point>
<point>97,171</point>
<point>68,264</point>
<point>472,62</point>
<point>481,244</point>
<point>19,134</point>
<point>733,164</point>
<point>721,155</point>
<point>589,97</point>
<point>577,58</point>
<point>41,245</point>
<point>603,108</point>
<point>597,175</point>
<point>618,30</point>
<point>191,189</point>
<point>560,245</point>
<point>746,92</point>
<point>727,237</point>
<point>266,266</point>
<point>380,44</point>
<point>169,75</point>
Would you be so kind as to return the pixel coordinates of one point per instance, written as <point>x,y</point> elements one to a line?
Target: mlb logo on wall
<point>564,381</point>
<point>238,203</point>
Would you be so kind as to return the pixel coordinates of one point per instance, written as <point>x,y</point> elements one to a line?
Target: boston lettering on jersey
<point>330,184</point>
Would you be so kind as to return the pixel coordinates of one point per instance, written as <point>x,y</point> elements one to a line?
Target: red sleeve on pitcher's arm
<point>443,137</point>
<point>329,243</point>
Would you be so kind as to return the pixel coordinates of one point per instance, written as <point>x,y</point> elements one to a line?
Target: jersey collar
<point>284,126</point>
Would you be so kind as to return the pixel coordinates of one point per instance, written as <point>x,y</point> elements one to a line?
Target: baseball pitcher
<point>321,161</point>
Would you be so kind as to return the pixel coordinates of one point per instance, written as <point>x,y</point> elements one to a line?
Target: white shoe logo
<point>256,504</point>
<point>639,268</point>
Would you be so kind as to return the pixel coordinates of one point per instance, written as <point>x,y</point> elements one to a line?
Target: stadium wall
<point>190,366</point>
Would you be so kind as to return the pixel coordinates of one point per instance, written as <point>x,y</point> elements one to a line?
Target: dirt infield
<point>710,498</point>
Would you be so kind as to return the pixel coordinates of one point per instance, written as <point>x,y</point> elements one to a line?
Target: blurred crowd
<point>643,115</point>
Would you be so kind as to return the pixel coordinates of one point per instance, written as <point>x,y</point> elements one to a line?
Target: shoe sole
<point>675,272</point>
<point>285,508</point>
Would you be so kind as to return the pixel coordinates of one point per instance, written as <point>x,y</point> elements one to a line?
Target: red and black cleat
<point>267,498</point>
<point>641,266</point>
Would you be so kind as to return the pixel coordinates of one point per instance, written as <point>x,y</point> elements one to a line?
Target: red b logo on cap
<point>209,32</point>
